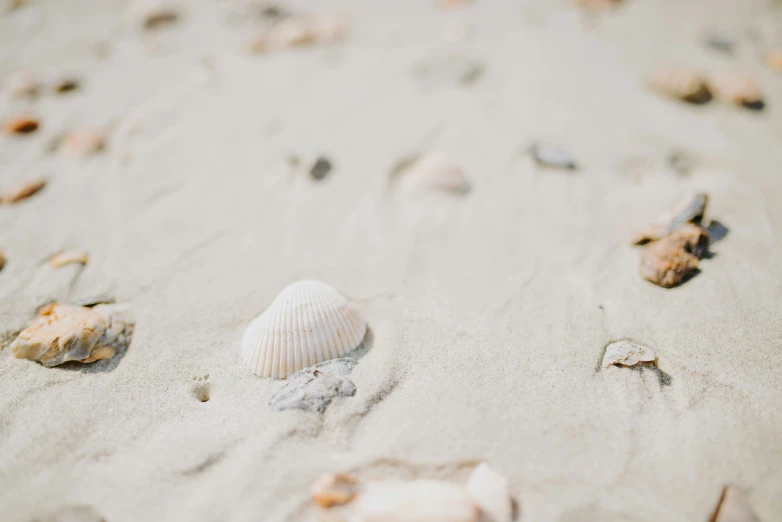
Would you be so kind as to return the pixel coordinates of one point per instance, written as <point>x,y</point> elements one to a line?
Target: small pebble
<point>547,155</point>
<point>626,353</point>
<point>23,191</point>
<point>674,259</point>
<point>682,84</point>
<point>721,42</point>
<point>66,85</point>
<point>21,125</point>
<point>740,90</point>
<point>82,142</point>
<point>61,259</point>
<point>321,168</point>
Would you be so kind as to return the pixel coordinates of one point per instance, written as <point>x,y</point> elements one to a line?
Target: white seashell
<point>490,491</point>
<point>431,171</point>
<point>309,322</point>
<point>626,353</point>
<point>343,499</point>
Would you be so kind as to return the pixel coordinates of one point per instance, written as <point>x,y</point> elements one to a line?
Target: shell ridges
<point>309,322</point>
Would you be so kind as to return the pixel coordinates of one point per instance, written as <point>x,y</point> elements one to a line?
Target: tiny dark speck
<point>320,169</point>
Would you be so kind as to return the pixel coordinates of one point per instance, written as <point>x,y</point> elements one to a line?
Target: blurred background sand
<point>488,312</point>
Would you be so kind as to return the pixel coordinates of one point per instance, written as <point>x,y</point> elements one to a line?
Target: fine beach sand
<point>488,312</point>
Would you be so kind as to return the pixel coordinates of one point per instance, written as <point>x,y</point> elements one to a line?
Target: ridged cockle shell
<point>309,322</point>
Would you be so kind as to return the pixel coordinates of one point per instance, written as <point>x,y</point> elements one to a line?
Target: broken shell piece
<point>154,14</point>
<point>331,490</point>
<point>23,191</point>
<point>309,322</point>
<point>313,389</point>
<point>738,89</point>
<point>689,210</point>
<point>83,142</point>
<point>320,168</point>
<point>733,507</point>
<point>626,353</point>
<point>342,498</point>
<point>547,155</point>
<point>682,84</point>
<point>490,491</point>
<point>298,32</point>
<point>774,60</point>
<point>66,85</point>
<point>430,171</point>
<point>64,333</point>
<point>20,125</point>
<point>673,259</point>
<point>22,83</point>
<point>61,259</point>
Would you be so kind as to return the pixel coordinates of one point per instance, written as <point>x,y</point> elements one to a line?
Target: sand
<point>489,312</point>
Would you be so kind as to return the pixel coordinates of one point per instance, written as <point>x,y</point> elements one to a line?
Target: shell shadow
<point>366,344</point>
<point>102,366</point>
<point>663,378</point>
<point>757,105</point>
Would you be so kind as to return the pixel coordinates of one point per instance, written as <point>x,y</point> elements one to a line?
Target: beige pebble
<point>61,259</point>
<point>23,191</point>
<point>682,84</point>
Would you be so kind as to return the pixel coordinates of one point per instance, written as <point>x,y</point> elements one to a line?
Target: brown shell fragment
<point>21,125</point>
<point>681,84</point>
<point>740,90</point>
<point>62,333</point>
<point>774,60</point>
<point>83,142</point>
<point>61,259</point>
<point>689,210</point>
<point>299,31</point>
<point>733,507</point>
<point>334,490</point>
<point>673,259</point>
<point>22,192</point>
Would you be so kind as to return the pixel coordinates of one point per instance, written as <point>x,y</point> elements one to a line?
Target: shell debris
<point>738,89</point>
<point>83,142</point>
<point>672,260</point>
<point>61,259</point>
<point>62,333</point>
<point>21,125</point>
<point>430,171</point>
<point>547,155</point>
<point>313,389</point>
<point>681,84</point>
<point>689,210</point>
<point>23,191</point>
<point>300,31</point>
<point>309,322</point>
<point>733,507</point>
<point>627,353</point>
<point>20,84</point>
<point>345,498</point>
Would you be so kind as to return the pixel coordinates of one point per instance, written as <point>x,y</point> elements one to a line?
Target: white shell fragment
<point>342,498</point>
<point>309,322</point>
<point>431,171</point>
<point>733,507</point>
<point>313,389</point>
<point>490,491</point>
<point>626,353</point>
<point>61,259</point>
<point>62,333</point>
<point>547,155</point>
<point>689,210</point>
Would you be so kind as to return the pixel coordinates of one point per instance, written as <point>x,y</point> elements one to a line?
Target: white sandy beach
<point>488,312</point>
